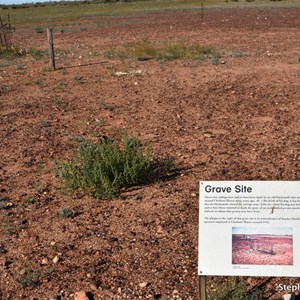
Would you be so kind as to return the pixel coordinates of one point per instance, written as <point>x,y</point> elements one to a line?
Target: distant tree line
<point>60,3</point>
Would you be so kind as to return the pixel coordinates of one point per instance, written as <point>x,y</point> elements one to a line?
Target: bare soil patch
<point>236,120</point>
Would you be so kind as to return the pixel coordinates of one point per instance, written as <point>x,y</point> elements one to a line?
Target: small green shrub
<point>29,278</point>
<point>61,52</point>
<point>66,213</point>
<point>5,226</point>
<point>78,79</point>
<point>235,289</point>
<point>11,53</point>
<point>169,51</point>
<point>4,89</point>
<point>37,54</point>
<point>103,168</point>
<point>39,29</point>
<point>2,204</point>
<point>102,103</point>
<point>27,199</point>
<point>216,58</point>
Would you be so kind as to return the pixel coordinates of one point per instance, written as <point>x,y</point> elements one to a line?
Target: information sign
<point>249,228</point>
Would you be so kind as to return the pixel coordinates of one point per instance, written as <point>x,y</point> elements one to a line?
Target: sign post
<point>202,288</point>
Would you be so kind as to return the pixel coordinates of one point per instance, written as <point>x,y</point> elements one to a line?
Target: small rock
<point>134,73</point>
<point>143,284</point>
<point>81,296</point>
<point>175,294</point>
<point>2,261</point>
<point>93,287</point>
<point>288,297</point>
<point>160,229</point>
<point>23,271</point>
<point>208,134</point>
<point>52,243</point>
<point>193,194</point>
<point>55,259</point>
<point>45,261</point>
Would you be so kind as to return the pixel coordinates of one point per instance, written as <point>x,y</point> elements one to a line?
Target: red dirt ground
<point>143,244</point>
<point>262,250</point>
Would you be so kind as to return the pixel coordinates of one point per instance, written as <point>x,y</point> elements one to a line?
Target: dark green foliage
<point>103,168</point>
<point>66,213</point>
<point>168,51</point>
<point>235,289</point>
<point>29,278</point>
<point>37,54</point>
<point>39,29</point>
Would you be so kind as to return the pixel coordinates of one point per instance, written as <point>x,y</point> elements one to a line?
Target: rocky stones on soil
<point>252,128</point>
<point>56,259</point>
<point>45,261</point>
<point>93,286</point>
<point>143,284</point>
<point>160,229</point>
<point>81,296</point>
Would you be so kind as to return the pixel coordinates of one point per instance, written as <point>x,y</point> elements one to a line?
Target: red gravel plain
<point>235,120</point>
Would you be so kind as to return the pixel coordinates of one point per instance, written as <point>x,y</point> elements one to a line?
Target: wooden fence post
<point>51,48</point>
<point>202,287</point>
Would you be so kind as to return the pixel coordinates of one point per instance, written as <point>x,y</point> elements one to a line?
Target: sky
<point>20,1</point>
<point>263,230</point>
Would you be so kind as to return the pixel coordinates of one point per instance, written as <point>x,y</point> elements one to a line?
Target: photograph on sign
<point>262,246</point>
<point>249,228</point>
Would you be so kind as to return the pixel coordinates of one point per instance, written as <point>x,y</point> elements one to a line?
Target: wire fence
<point>6,32</point>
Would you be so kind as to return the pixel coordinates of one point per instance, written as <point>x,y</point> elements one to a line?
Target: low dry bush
<point>167,51</point>
<point>235,289</point>
<point>11,53</point>
<point>102,169</point>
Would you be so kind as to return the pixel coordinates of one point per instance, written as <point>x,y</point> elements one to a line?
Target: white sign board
<point>249,228</point>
